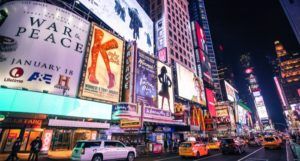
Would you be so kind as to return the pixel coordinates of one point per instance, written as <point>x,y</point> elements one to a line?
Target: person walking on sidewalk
<point>36,146</point>
<point>15,150</point>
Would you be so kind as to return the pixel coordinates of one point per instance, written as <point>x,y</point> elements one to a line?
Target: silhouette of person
<point>166,83</point>
<point>135,22</point>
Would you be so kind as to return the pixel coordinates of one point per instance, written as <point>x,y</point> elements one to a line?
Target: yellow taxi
<point>192,149</point>
<point>278,139</point>
<point>271,142</point>
<point>214,145</point>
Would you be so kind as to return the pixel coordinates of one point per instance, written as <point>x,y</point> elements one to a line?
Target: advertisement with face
<point>36,47</point>
<point>165,87</point>
<point>230,91</point>
<point>146,81</point>
<point>127,18</point>
<point>190,86</point>
<point>103,71</point>
<point>203,52</point>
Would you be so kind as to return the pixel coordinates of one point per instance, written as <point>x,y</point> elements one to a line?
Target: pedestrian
<point>15,149</point>
<point>36,146</point>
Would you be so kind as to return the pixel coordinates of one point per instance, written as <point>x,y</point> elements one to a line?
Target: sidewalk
<point>54,155</point>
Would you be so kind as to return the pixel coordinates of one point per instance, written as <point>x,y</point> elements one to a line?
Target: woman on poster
<point>166,83</point>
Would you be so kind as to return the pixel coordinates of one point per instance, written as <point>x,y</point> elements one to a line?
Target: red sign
<point>162,55</point>
<point>211,102</point>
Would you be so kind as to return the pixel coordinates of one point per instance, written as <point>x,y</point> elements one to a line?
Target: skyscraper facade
<point>288,85</point>
<point>198,14</point>
<point>291,9</point>
<point>173,32</point>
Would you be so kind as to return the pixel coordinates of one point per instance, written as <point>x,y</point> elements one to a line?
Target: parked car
<point>271,142</point>
<point>193,149</point>
<point>254,141</point>
<point>229,145</point>
<point>102,150</point>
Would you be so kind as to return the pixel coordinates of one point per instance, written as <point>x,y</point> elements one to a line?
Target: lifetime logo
<point>16,72</point>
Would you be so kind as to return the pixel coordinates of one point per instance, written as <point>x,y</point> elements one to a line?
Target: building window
<point>176,55</point>
<point>181,59</point>
<point>172,51</point>
<point>170,33</point>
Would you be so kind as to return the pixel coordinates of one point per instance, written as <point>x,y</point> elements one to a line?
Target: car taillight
<point>82,151</point>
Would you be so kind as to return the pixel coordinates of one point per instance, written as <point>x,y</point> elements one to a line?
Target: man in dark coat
<point>15,150</point>
<point>36,146</point>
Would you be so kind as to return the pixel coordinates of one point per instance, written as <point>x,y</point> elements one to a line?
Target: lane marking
<point>167,158</point>
<point>286,150</point>
<point>256,159</point>
<point>250,154</point>
<point>208,157</point>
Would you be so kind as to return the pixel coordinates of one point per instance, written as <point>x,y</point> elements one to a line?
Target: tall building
<point>287,78</point>
<point>262,115</point>
<point>289,71</point>
<point>173,32</point>
<point>291,9</point>
<point>198,14</point>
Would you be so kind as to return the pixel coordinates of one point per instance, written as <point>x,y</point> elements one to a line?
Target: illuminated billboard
<point>230,91</point>
<point>196,119</point>
<point>103,70</point>
<point>127,18</point>
<point>42,103</point>
<point>261,108</point>
<point>211,100</point>
<point>165,87</point>
<point>146,79</point>
<point>39,50</point>
<point>242,115</point>
<point>190,86</point>
<point>203,53</point>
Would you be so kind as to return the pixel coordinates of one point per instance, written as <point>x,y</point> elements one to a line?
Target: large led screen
<point>190,86</point>
<point>203,52</point>
<point>41,47</point>
<point>242,115</point>
<point>127,18</point>
<point>103,71</point>
<point>146,81</point>
<point>42,103</point>
<point>165,87</point>
<point>230,91</point>
<point>211,100</point>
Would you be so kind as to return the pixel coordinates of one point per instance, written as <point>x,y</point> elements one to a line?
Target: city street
<point>251,154</point>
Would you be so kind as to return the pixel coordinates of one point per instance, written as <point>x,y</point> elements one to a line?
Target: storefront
<point>25,128</point>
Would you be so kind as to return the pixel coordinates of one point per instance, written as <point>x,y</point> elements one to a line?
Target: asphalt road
<point>251,154</point>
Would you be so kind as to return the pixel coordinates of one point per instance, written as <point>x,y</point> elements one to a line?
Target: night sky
<point>251,26</point>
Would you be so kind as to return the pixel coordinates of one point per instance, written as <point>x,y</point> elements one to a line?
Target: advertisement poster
<point>230,91</point>
<point>127,18</point>
<point>162,55</point>
<point>37,46</point>
<point>190,86</point>
<point>161,34</point>
<point>203,52</point>
<point>242,115</point>
<point>129,69</point>
<point>165,87</point>
<point>197,119</point>
<point>211,100</point>
<point>146,81</point>
<point>181,112</point>
<point>125,110</point>
<point>103,71</point>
